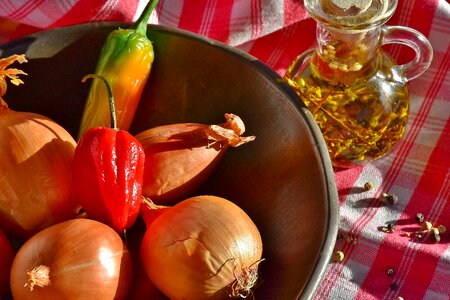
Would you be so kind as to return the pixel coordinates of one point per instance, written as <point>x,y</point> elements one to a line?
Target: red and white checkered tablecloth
<point>418,171</point>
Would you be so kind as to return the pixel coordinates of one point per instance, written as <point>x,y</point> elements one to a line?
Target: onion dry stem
<point>40,276</point>
<point>242,286</point>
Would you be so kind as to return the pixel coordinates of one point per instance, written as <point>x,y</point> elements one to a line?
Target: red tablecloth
<point>418,171</point>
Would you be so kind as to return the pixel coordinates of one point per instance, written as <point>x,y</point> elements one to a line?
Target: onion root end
<point>39,276</point>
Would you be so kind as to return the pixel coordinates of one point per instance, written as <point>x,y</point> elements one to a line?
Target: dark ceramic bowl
<point>283,180</point>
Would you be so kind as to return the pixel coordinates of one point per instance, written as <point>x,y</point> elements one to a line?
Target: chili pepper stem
<point>112,106</point>
<point>141,24</point>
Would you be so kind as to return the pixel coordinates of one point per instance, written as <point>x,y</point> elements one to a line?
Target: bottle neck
<point>343,55</point>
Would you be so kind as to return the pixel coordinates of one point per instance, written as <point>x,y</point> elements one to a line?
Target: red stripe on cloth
<point>289,42</point>
<point>123,11</point>
<point>398,252</point>
<point>191,16</point>
<point>220,21</point>
<point>389,179</point>
<point>211,20</point>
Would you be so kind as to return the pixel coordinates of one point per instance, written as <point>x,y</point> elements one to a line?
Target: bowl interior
<point>283,179</point>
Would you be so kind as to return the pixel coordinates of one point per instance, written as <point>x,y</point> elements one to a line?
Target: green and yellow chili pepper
<point>125,62</point>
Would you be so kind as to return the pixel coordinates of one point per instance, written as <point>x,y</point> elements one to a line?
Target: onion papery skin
<point>180,157</point>
<point>199,247</point>
<point>6,258</point>
<point>35,179</point>
<point>86,260</point>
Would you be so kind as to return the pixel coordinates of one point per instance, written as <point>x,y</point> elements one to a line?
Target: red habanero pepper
<point>108,169</point>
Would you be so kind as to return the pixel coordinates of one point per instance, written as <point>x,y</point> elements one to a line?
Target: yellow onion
<point>204,247</point>
<point>35,163</point>
<point>180,157</point>
<point>75,259</point>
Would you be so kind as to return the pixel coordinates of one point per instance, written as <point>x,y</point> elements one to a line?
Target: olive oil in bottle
<point>356,92</point>
<point>360,121</point>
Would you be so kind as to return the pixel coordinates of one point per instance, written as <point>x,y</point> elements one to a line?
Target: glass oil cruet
<point>356,92</point>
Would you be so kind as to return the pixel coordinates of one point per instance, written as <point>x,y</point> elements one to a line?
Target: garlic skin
<point>35,179</point>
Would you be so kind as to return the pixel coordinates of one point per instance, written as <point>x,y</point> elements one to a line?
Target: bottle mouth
<point>351,14</point>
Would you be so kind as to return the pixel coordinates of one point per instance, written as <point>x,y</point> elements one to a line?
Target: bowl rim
<point>331,226</point>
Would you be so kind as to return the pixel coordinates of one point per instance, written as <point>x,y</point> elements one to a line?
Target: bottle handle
<point>298,64</point>
<point>418,42</point>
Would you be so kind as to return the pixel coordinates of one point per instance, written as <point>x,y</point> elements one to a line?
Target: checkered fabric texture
<point>417,171</point>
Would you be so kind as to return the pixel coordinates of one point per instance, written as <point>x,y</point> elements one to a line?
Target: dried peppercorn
<point>434,232</point>
<point>427,225</point>
<point>420,217</point>
<point>391,198</point>
<point>351,239</point>
<point>108,171</point>
<point>390,227</point>
<point>125,62</point>
<point>442,229</point>
<point>368,185</point>
<point>338,256</point>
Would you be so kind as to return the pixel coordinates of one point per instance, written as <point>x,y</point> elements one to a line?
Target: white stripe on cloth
<point>246,26</point>
<point>436,289</point>
<point>170,12</point>
<point>39,14</point>
<point>140,8</point>
<point>240,23</point>
<point>440,33</point>
<point>272,16</point>
<point>106,10</point>
<point>51,12</point>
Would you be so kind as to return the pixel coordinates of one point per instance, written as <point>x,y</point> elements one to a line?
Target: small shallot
<point>180,157</point>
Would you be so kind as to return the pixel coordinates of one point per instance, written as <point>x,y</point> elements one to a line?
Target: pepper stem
<point>141,24</point>
<point>112,106</point>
